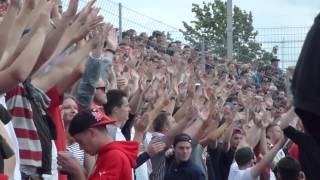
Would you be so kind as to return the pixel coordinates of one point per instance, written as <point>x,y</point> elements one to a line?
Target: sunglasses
<point>101,88</point>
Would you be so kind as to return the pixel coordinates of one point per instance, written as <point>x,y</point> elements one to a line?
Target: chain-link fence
<point>125,18</point>
<point>288,40</point>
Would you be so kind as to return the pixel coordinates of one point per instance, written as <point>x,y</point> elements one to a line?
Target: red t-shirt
<point>3,177</point>
<point>116,161</point>
<point>266,171</point>
<point>54,111</point>
<point>294,151</point>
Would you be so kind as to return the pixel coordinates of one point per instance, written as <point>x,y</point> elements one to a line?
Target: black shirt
<point>126,129</point>
<point>219,163</point>
<point>45,138</point>
<point>309,152</point>
<point>182,171</point>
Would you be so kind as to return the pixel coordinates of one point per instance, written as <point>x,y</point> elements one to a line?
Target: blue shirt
<point>183,171</point>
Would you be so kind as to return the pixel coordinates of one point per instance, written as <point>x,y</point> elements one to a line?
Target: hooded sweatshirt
<point>115,161</point>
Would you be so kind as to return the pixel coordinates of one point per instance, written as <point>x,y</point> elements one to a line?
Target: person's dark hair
<point>114,99</point>
<point>243,156</point>
<point>288,168</point>
<point>156,33</point>
<point>160,121</point>
<point>123,44</point>
<point>124,34</point>
<point>181,138</point>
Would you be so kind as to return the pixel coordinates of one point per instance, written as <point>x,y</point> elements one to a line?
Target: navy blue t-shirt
<point>182,171</point>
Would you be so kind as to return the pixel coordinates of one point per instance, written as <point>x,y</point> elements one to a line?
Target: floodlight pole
<point>120,22</point>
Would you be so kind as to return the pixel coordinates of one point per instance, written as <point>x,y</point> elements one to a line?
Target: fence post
<point>203,60</point>
<point>282,52</point>
<point>120,22</point>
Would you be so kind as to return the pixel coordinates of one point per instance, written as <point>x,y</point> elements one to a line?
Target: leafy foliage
<point>211,24</point>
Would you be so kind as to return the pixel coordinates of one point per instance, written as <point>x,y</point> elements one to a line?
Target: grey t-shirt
<point>196,157</point>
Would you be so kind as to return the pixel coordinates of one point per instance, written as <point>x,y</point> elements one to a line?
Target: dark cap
<point>88,119</point>
<point>182,138</point>
<point>243,156</point>
<point>275,59</point>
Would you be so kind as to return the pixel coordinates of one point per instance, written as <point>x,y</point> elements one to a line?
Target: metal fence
<point>289,40</point>
<point>125,18</point>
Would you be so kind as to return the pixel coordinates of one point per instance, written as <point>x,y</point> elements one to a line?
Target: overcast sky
<point>266,13</point>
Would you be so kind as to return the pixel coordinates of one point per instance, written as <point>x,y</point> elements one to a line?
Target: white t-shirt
<point>119,135</point>
<point>237,174</point>
<point>12,134</point>
<point>278,156</point>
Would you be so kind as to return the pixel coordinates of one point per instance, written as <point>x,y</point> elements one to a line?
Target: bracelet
<point>111,50</point>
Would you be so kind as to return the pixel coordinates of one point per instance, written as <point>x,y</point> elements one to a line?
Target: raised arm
<point>287,118</point>
<point>85,22</point>
<point>180,126</point>
<point>55,35</point>
<point>251,138</point>
<point>215,134</point>
<point>19,70</point>
<point>227,137</point>
<point>88,72</point>
<point>6,25</point>
<point>184,108</point>
<point>19,25</point>
<point>58,72</point>
<point>266,160</point>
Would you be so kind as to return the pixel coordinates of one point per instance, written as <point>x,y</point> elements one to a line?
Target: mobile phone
<point>159,139</point>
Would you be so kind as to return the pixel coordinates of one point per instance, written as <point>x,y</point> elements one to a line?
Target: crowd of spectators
<point>78,103</point>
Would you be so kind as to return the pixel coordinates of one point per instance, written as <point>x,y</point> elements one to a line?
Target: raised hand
<point>266,119</point>
<point>134,75</point>
<point>155,148</point>
<point>72,9</point>
<point>122,82</point>
<point>44,17</point>
<point>191,89</point>
<point>97,41</point>
<point>112,39</point>
<point>15,4</point>
<point>141,124</point>
<point>258,120</point>
<point>85,22</point>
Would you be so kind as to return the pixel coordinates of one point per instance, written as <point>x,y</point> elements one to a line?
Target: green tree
<point>211,24</point>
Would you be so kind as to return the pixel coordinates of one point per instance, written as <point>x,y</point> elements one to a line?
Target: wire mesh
<point>288,40</point>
